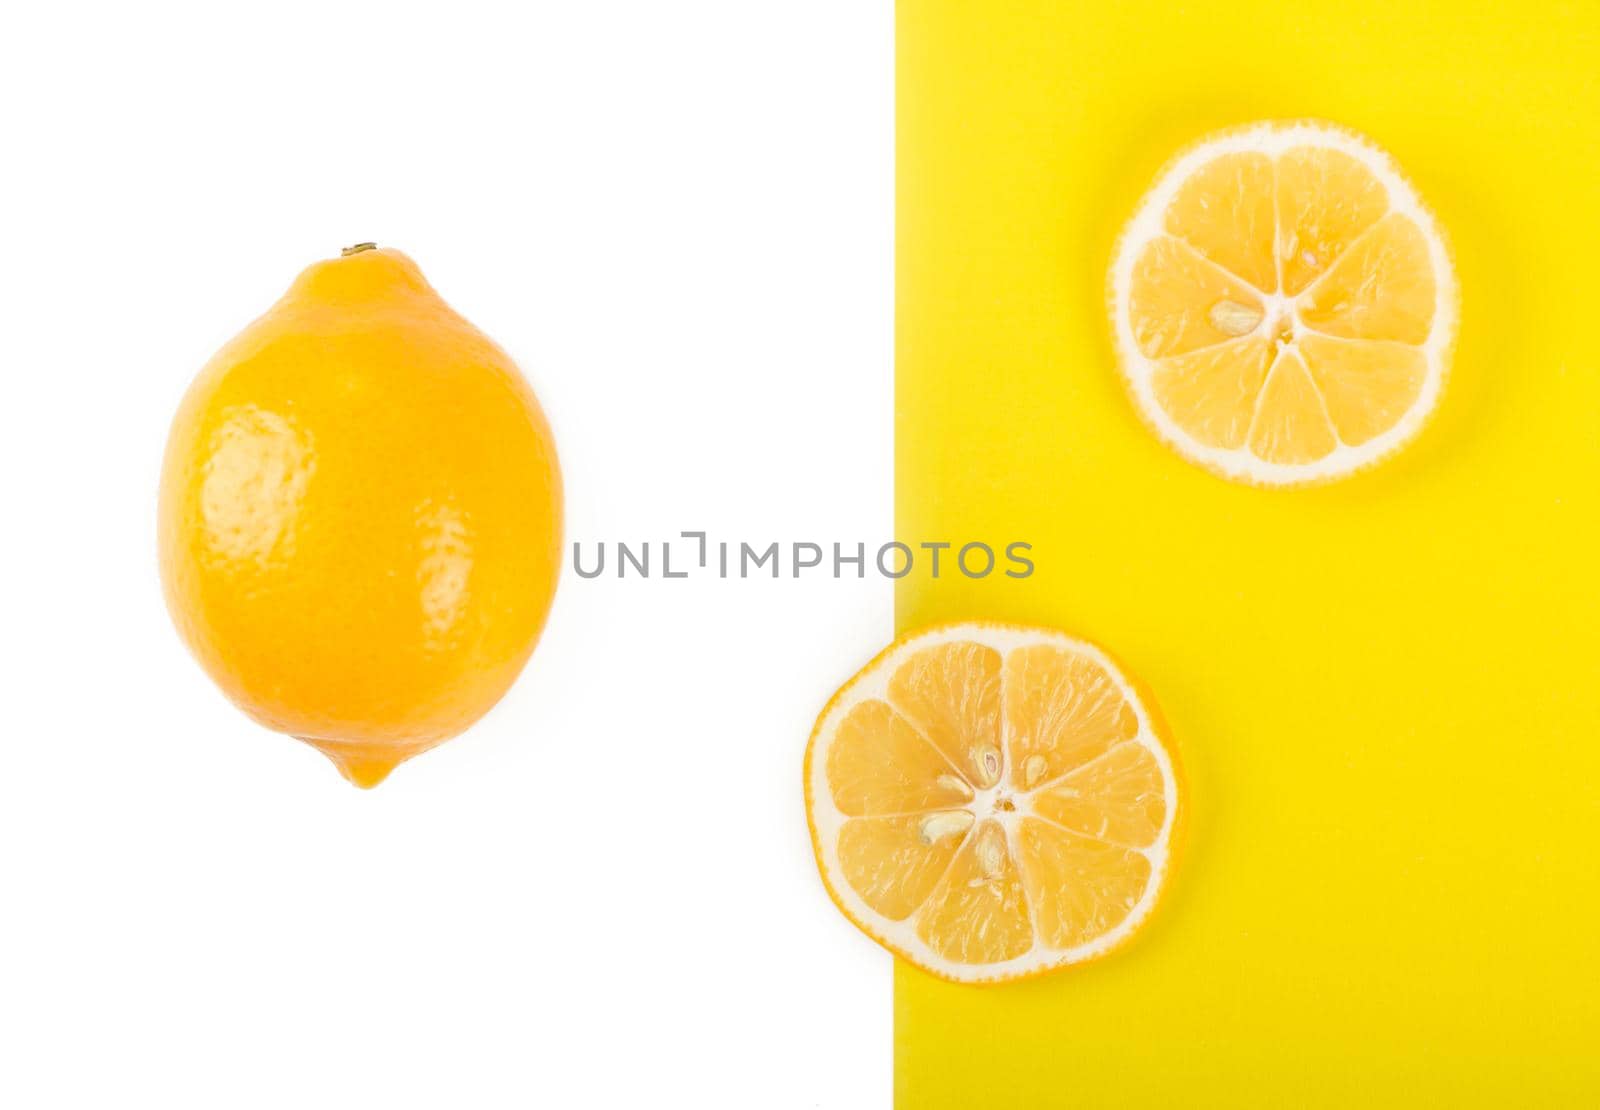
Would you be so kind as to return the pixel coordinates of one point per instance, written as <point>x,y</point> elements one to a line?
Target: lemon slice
<point>1283,305</point>
<point>992,802</point>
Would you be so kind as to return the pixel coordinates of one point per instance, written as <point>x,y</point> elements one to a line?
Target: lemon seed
<point>988,761</point>
<point>1234,318</point>
<point>940,825</point>
<point>991,852</point>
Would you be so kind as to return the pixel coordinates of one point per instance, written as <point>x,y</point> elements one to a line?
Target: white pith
<point>901,936</point>
<point>1274,139</point>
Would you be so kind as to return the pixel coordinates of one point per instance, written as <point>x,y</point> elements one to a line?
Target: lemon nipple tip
<point>359,768</point>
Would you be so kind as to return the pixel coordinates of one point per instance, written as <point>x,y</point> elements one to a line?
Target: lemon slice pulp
<point>992,802</point>
<point>1283,305</point>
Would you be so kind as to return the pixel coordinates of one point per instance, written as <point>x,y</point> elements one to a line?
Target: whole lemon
<point>360,516</point>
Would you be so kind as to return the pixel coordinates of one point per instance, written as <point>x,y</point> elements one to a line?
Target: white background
<point>678,217</point>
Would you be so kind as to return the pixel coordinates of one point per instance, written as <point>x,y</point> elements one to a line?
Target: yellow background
<point>1386,692</point>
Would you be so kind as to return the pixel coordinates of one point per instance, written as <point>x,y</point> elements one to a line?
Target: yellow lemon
<point>1283,305</point>
<point>360,516</point>
<point>992,802</point>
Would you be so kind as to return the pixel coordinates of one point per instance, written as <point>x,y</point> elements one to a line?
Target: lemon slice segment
<point>992,802</point>
<point>1256,251</point>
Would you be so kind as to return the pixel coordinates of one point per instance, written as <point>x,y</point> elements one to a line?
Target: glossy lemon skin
<point>360,516</point>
